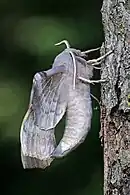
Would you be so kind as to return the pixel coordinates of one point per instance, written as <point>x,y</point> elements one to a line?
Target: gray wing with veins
<point>47,106</point>
<point>49,100</point>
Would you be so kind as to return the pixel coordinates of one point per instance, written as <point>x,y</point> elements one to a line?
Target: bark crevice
<point>115,97</point>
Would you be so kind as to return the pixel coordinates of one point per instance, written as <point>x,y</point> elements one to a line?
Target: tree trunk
<point>115,97</point>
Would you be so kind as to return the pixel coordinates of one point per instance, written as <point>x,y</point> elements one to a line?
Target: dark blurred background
<point>28,31</point>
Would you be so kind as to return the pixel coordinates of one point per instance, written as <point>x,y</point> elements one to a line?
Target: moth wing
<point>49,100</point>
<point>36,144</point>
<point>47,106</point>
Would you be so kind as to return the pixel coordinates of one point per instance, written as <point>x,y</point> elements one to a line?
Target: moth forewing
<point>46,109</point>
<point>36,143</point>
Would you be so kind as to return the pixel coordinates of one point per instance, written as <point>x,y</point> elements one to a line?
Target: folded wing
<point>47,106</point>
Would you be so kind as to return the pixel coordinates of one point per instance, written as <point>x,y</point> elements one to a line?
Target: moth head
<point>71,57</point>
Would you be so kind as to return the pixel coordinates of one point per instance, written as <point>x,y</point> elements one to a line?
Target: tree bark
<point>115,97</point>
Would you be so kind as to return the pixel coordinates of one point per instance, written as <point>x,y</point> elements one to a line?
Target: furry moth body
<point>54,92</point>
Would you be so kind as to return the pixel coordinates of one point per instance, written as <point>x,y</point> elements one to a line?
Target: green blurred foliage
<point>29,30</point>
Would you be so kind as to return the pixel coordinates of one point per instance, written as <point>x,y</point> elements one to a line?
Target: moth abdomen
<point>78,123</point>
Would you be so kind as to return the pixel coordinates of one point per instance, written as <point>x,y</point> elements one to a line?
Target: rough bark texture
<point>115,97</point>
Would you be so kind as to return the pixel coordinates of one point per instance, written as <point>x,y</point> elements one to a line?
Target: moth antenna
<point>73,59</point>
<point>65,42</point>
<point>75,69</point>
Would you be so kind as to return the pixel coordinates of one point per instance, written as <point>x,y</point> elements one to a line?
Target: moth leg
<point>83,53</point>
<point>76,52</point>
<point>91,81</point>
<point>55,70</point>
<point>98,68</point>
<point>90,50</point>
<point>82,60</point>
<point>95,61</point>
<point>85,80</point>
<point>95,65</point>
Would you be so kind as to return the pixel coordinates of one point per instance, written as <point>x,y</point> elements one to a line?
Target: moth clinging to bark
<point>65,88</point>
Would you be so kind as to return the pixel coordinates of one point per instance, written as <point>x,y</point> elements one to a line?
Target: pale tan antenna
<point>91,50</point>
<point>73,59</point>
<point>65,42</point>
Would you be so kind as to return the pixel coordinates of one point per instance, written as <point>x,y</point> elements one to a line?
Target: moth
<point>63,89</point>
